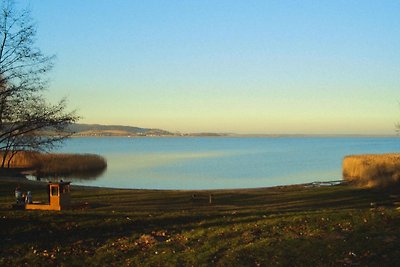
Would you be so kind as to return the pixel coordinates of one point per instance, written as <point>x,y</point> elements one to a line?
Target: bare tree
<point>26,119</point>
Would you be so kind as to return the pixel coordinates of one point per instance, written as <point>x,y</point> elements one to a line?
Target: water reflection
<point>166,170</point>
<point>136,162</point>
<point>118,165</point>
<point>83,175</point>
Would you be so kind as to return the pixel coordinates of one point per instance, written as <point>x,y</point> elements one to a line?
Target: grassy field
<point>280,226</point>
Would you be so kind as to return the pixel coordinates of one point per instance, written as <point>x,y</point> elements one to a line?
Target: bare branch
<point>27,121</point>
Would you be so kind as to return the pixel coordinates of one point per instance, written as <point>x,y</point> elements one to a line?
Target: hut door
<point>55,196</point>
<point>54,191</point>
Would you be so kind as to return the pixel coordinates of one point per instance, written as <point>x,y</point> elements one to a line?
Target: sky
<point>313,67</point>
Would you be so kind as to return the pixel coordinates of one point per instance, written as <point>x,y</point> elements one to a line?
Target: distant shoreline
<point>98,130</point>
<point>244,136</point>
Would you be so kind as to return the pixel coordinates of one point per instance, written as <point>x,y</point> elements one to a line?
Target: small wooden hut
<point>59,198</point>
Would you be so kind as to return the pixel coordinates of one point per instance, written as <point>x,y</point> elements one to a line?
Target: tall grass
<point>372,170</point>
<point>23,159</point>
<point>47,165</point>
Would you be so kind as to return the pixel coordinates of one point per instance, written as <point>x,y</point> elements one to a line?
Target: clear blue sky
<point>226,66</point>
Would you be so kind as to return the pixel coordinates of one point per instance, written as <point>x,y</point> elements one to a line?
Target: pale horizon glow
<point>312,67</point>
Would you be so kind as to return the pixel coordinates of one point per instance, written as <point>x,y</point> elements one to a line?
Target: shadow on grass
<point>111,214</point>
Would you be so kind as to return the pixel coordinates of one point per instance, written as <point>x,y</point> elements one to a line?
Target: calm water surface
<point>216,162</point>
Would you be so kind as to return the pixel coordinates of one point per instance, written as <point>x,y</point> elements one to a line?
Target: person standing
<point>18,195</point>
<point>28,198</point>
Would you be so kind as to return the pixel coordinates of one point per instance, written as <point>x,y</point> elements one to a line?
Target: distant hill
<point>114,130</point>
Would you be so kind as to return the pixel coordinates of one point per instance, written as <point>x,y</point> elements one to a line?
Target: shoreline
<point>24,179</point>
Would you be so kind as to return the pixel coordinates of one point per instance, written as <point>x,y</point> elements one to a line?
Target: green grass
<point>280,226</point>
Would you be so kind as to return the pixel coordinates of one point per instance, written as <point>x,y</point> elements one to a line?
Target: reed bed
<point>48,164</point>
<point>372,170</point>
<point>23,159</point>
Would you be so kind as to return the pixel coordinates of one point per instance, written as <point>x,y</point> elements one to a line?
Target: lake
<point>222,162</point>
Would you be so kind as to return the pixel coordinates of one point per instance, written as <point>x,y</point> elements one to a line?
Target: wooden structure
<point>59,198</point>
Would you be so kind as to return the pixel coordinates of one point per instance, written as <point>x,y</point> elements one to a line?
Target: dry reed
<point>372,170</point>
<point>46,165</point>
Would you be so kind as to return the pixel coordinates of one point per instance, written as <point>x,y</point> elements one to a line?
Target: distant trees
<point>25,115</point>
